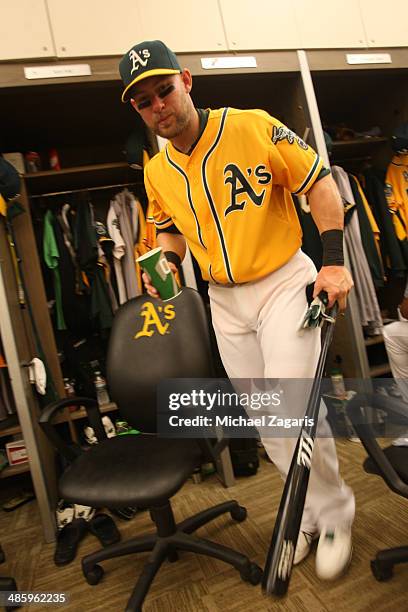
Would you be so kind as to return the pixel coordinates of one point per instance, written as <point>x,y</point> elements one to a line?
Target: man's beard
<point>182,121</point>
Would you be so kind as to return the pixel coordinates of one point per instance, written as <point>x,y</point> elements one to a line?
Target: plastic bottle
<point>337,379</point>
<point>69,392</point>
<point>101,391</point>
<point>54,160</point>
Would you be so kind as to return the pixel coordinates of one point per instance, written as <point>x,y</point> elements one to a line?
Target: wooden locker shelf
<point>13,470</point>
<point>90,176</point>
<point>359,142</point>
<point>374,340</point>
<point>81,413</point>
<point>9,430</point>
<point>379,370</point>
<point>76,170</point>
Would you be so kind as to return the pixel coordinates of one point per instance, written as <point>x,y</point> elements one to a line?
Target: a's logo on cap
<point>137,60</point>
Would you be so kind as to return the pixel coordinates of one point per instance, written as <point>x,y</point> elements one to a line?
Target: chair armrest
<point>94,416</point>
<point>356,412</point>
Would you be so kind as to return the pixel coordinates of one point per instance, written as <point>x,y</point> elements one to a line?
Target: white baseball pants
<point>256,328</point>
<point>396,343</point>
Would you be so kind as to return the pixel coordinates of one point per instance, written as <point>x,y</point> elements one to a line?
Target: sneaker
<point>303,546</point>
<point>90,435</point>
<point>382,391</point>
<point>400,442</point>
<point>109,430</point>
<point>333,553</point>
<point>394,390</point>
<point>122,427</point>
<point>64,514</point>
<point>109,427</point>
<point>84,512</point>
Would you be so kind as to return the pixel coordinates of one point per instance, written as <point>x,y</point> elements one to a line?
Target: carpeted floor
<point>197,583</point>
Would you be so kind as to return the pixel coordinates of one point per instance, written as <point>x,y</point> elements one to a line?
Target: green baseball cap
<point>146,59</point>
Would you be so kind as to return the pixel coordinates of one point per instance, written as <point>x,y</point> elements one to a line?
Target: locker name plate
<point>58,71</point>
<point>212,63</point>
<point>368,58</point>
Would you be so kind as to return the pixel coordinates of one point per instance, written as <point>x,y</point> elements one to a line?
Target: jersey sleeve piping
<point>311,176</point>
<point>164,224</point>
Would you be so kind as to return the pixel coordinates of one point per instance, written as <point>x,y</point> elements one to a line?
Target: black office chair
<point>150,341</point>
<point>390,463</point>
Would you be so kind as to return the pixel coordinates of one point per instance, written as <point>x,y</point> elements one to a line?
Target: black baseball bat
<point>279,562</point>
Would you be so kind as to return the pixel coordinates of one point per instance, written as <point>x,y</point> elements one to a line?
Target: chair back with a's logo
<point>150,341</point>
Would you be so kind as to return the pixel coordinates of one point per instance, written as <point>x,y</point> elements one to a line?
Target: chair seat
<point>397,456</point>
<point>140,470</point>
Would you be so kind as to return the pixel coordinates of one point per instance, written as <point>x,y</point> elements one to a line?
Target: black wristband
<point>173,258</point>
<point>332,242</point>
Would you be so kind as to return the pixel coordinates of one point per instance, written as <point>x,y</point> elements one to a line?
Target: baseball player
<point>223,184</point>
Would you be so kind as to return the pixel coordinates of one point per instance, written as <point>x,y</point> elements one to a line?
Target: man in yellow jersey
<point>223,184</point>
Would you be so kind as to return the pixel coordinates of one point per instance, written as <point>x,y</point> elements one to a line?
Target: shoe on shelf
<point>303,546</point>
<point>394,390</point>
<point>109,427</point>
<point>382,391</point>
<point>334,551</point>
<point>90,435</point>
<point>122,427</point>
<point>109,430</point>
<point>400,441</point>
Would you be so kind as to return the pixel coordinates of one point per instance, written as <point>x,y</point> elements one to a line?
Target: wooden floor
<point>197,583</point>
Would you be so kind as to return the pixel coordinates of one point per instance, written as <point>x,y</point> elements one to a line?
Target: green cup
<point>157,267</point>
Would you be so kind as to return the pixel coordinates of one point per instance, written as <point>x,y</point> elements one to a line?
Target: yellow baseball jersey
<point>396,191</point>
<point>231,197</point>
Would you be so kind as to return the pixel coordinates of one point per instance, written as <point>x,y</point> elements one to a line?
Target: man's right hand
<point>152,291</point>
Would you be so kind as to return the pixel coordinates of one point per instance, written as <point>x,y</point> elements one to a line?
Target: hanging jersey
<point>231,198</point>
<point>396,191</point>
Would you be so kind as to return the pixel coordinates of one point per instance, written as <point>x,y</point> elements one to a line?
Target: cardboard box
<point>16,452</point>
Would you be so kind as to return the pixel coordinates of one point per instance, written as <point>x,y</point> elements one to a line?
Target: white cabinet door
<point>330,24</point>
<point>94,27</point>
<point>386,23</point>
<point>184,25</point>
<point>24,30</point>
<point>260,24</point>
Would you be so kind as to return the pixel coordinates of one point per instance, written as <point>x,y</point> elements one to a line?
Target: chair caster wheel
<point>172,556</point>
<point>381,571</point>
<point>94,575</point>
<point>252,574</point>
<point>239,514</point>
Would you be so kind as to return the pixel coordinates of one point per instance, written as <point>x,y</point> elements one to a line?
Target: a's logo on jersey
<point>405,175</point>
<point>283,133</point>
<point>138,61</point>
<point>240,184</point>
<point>152,319</point>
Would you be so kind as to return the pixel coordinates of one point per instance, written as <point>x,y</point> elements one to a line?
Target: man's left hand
<point>337,282</point>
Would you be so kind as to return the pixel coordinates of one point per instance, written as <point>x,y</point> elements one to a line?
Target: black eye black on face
<point>163,91</point>
<point>143,104</point>
<point>166,90</point>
